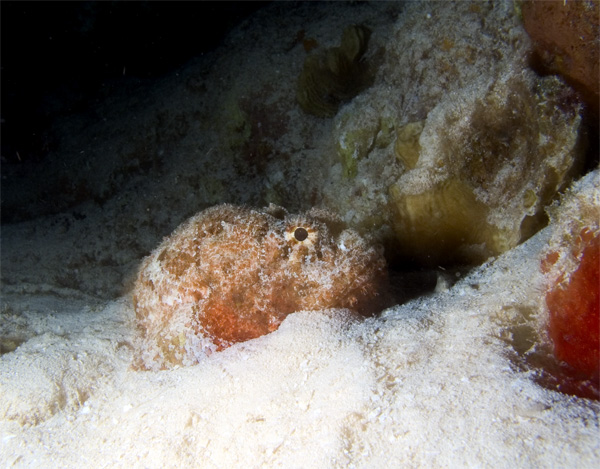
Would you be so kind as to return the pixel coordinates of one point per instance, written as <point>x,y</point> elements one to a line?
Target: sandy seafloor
<point>428,383</point>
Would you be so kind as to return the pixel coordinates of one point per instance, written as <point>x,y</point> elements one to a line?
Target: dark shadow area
<point>61,58</point>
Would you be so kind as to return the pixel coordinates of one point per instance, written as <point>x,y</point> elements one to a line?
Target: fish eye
<point>300,234</point>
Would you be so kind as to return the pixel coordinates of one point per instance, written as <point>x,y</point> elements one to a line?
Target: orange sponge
<point>566,40</point>
<point>573,305</point>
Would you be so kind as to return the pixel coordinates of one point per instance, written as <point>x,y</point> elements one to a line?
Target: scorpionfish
<point>230,274</point>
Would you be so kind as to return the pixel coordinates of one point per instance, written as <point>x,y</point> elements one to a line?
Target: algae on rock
<point>407,146</point>
<point>335,75</point>
<point>358,135</point>
<point>446,219</point>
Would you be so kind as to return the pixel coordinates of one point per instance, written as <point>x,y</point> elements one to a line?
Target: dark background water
<point>57,57</point>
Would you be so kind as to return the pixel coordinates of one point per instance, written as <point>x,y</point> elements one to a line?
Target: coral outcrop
<point>453,156</point>
<point>335,75</point>
<point>231,274</point>
<point>476,181</point>
<point>469,181</point>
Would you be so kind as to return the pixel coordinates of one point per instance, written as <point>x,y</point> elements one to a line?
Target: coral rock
<point>480,170</point>
<point>231,274</point>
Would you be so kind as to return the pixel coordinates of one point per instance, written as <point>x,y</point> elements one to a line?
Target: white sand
<point>429,383</point>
